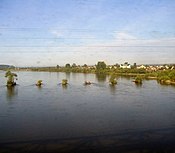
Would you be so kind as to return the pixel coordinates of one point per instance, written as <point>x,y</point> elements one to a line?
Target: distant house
<point>126,65</point>
<point>166,66</point>
<point>141,67</point>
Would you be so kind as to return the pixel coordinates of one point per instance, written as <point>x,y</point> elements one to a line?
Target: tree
<point>113,80</point>
<point>101,65</point>
<point>67,65</point>
<point>85,65</point>
<point>117,65</point>
<point>138,79</point>
<point>11,77</point>
<point>172,75</point>
<point>135,65</point>
<point>74,65</point>
<point>64,82</point>
<point>39,83</point>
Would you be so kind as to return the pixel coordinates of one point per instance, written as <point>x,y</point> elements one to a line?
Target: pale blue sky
<point>51,32</point>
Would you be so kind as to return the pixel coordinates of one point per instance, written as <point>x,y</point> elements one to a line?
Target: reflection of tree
<point>138,85</point>
<point>39,87</point>
<point>57,74</point>
<point>112,89</point>
<point>85,76</point>
<point>101,77</point>
<point>126,77</point>
<point>11,92</point>
<point>64,86</point>
<point>68,75</point>
<point>74,75</point>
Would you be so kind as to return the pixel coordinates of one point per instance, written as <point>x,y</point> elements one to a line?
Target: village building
<point>141,67</point>
<point>126,65</point>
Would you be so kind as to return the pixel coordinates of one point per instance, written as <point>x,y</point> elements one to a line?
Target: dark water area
<point>78,118</point>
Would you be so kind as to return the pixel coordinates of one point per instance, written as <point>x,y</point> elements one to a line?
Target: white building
<point>141,67</point>
<point>126,65</point>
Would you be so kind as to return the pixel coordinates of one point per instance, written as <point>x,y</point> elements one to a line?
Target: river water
<point>77,118</point>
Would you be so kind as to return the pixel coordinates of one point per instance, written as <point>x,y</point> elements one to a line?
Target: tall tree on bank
<point>74,65</point>
<point>67,65</point>
<point>101,65</point>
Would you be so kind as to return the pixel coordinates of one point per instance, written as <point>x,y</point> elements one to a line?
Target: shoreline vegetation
<point>163,74</point>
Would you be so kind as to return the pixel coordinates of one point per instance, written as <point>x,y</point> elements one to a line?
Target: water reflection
<point>101,77</point>
<point>39,87</point>
<point>68,75</point>
<point>74,76</point>
<point>127,77</point>
<point>112,89</point>
<point>166,85</point>
<point>11,92</point>
<point>85,76</point>
<point>57,74</point>
<point>138,85</point>
<point>101,111</point>
<point>64,86</point>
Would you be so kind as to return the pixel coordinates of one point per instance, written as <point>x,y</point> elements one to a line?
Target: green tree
<point>39,83</point>
<point>64,82</point>
<point>74,65</point>
<point>117,65</point>
<point>101,65</point>
<point>113,80</point>
<point>85,65</point>
<point>135,65</point>
<point>67,65</point>
<point>172,75</point>
<point>10,78</point>
<point>138,79</point>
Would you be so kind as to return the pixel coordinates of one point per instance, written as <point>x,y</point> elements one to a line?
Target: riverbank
<point>162,76</point>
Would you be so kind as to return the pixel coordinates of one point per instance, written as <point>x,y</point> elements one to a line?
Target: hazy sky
<point>51,32</point>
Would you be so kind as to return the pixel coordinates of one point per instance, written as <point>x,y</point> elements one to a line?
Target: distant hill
<point>6,66</point>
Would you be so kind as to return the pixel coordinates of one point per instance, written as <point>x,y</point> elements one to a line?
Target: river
<point>79,118</point>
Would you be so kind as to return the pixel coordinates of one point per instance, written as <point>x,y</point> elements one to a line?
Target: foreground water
<point>79,117</point>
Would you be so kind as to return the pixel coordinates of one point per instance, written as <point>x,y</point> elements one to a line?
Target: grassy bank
<point>162,76</point>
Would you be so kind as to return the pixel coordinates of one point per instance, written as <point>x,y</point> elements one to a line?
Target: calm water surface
<point>53,112</point>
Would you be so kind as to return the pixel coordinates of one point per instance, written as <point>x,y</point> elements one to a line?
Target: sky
<point>56,32</point>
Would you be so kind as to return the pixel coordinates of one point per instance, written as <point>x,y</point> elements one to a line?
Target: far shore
<point>166,77</point>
